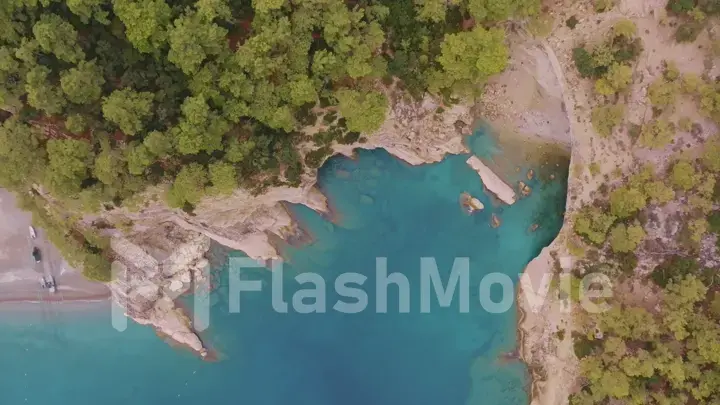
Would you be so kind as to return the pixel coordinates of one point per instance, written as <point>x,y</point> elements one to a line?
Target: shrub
<point>626,50</point>
<point>711,156</point>
<point>662,93</point>
<point>540,25</point>
<point>625,239</point>
<point>605,118</point>
<point>658,192</point>
<point>624,28</point>
<point>710,101</point>
<point>572,22</point>
<point>680,6</point>
<point>714,222</point>
<point>690,82</point>
<point>617,78</point>
<point>697,229</point>
<point>76,123</point>
<point>603,5</point>
<point>584,63</point>
<point>688,32</point>
<point>314,158</point>
<point>657,134</point>
<point>674,268</point>
<point>593,223</point>
<point>626,201</point>
<point>683,175</point>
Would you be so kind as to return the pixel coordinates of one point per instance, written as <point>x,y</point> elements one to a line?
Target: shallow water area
<point>387,209</point>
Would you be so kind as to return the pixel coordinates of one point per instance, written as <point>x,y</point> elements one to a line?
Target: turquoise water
<point>384,208</point>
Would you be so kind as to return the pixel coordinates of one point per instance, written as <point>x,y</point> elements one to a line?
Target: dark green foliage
<point>583,346</point>
<point>314,158</point>
<point>674,268</point>
<point>627,262</point>
<point>714,222</point>
<point>626,50</point>
<point>584,63</point>
<point>680,6</point>
<point>110,96</point>
<point>688,31</point>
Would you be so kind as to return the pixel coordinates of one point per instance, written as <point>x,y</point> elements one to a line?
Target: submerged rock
<point>495,221</point>
<point>534,227</point>
<point>366,199</point>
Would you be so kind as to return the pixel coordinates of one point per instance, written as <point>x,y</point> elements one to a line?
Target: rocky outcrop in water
<point>492,181</point>
<point>146,286</point>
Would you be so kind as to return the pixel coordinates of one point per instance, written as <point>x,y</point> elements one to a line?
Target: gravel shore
<point>20,275</point>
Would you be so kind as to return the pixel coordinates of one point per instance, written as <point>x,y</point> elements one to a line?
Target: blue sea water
<point>384,208</point>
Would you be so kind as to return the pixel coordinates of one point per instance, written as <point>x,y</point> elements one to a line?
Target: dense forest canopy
<point>105,97</point>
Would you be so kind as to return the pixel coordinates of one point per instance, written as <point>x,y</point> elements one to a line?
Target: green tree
<point>145,22</point>
<point>76,123</point>
<point>83,84</point>
<point>470,58</point>
<point>41,94</point>
<point>658,192</point>
<point>57,36</point>
<point>192,39</point>
<point>189,186</point>
<point>68,163</point>
<point>138,159</point>
<point>23,157</point>
<point>263,6</point>
<point>364,112</point>
<point>128,109</point>
<point>432,10</point>
<point>223,177</point>
<point>594,224</point>
<point>679,304</point>
<point>87,9</point>
<point>109,168</point>
<point>158,143</point>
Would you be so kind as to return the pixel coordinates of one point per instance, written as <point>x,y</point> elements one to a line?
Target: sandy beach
<point>20,275</point>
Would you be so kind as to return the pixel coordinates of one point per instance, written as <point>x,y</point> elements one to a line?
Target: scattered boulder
<point>470,203</point>
<point>530,174</point>
<point>524,189</point>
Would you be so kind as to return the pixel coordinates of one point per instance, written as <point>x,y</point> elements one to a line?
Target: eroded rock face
<point>147,287</point>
